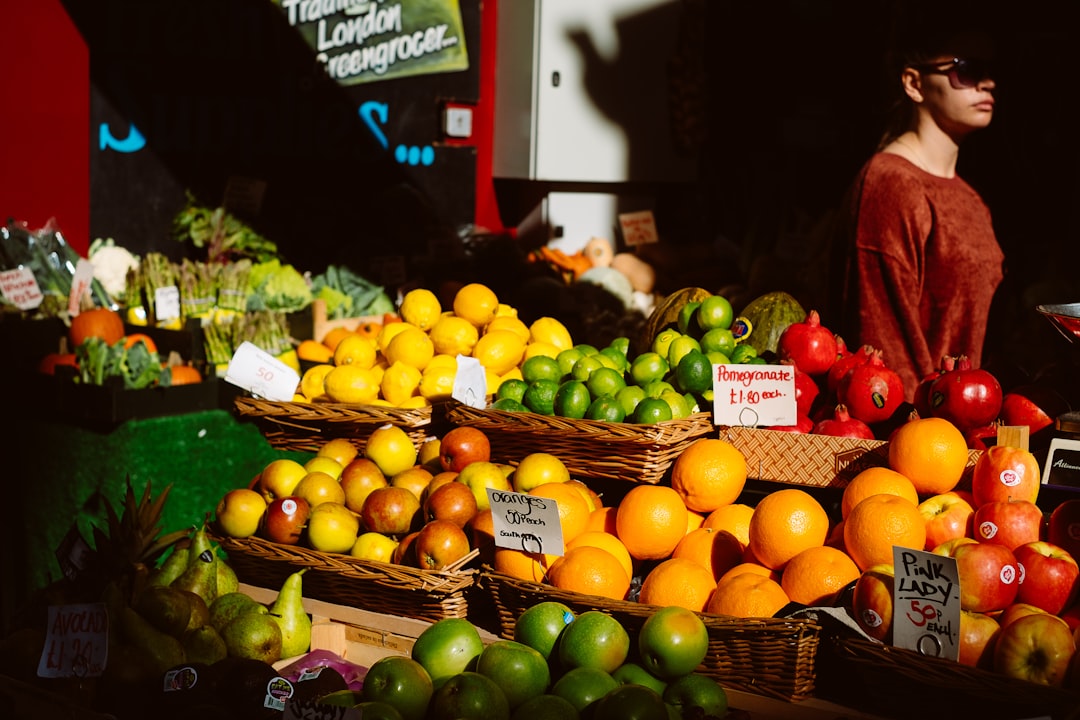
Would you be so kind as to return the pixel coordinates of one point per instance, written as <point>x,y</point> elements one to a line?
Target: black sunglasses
<point>961,73</point>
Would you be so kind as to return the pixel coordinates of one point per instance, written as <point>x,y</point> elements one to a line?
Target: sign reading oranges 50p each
<point>525,522</point>
<point>753,395</point>
<point>926,603</point>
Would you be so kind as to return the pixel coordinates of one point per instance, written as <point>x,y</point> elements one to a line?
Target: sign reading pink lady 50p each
<point>753,395</point>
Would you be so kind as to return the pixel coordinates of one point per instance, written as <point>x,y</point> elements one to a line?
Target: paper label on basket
<point>926,603</point>
<point>261,374</point>
<point>470,383</point>
<point>20,288</point>
<point>76,641</point>
<point>525,522</point>
<point>753,395</point>
<point>167,303</point>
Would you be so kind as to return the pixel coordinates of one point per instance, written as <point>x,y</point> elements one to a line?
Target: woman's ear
<point>911,81</point>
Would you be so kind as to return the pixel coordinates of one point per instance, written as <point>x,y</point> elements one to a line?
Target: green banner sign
<point>361,41</point>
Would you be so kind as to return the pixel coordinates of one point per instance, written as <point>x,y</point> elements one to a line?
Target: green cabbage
<point>274,286</point>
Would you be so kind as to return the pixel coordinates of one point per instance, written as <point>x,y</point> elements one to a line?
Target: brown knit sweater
<point>922,267</point>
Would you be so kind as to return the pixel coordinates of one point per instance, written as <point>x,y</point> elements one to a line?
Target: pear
<point>230,605</point>
<point>167,608</point>
<point>200,576</point>
<point>171,568</point>
<point>255,636</point>
<point>204,644</point>
<point>200,612</point>
<point>163,650</point>
<point>288,610</point>
<point>227,581</point>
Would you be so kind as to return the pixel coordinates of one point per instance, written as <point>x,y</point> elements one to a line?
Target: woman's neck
<point>931,149</point>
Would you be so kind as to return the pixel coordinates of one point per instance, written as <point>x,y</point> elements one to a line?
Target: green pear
<point>231,605</point>
<point>200,576</point>
<point>171,568</point>
<point>288,610</point>
<point>204,644</point>
<point>255,636</point>
<point>166,608</point>
<point>163,650</point>
<point>227,581</point>
<point>200,611</point>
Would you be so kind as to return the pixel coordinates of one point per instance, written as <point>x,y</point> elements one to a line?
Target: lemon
<point>415,402</point>
<point>351,384</point>
<point>442,362</point>
<point>453,335</point>
<point>476,303</point>
<point>499,350</point>
<point>411,346</point>
<point>504,310</point>
<point>492,380</point>
<point>355,350</point>
<point>551,331</point>
<point>391,449</point>
<point>420,307</point>
<point>311,384</point>
<point>506,322</point>
<point>399,383</point>
<point>390,331</point>
<point>513,373</point>
<point>437,383</point>
<point>377,372</point>
<point>542,348</point>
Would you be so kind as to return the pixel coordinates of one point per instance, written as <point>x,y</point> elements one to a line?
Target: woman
<point>922,259</point>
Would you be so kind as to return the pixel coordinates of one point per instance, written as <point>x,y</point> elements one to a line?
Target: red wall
<point>46,125</point>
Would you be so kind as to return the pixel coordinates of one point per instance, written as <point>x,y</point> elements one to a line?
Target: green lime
<point>606,408</point>
<point>511,388</point>
<point>742,353</point>
<point>605,381</point>
<point>680,408</point>
<point>541,367</point>
<point>718,358</point>
<point>718,340</point>
<point>687,320</point>
<point>656,388</point>
<point>652,410</point>
<point>679,347</point>
<point>756,360</point>
<point>629,397</point>
<point>540,396</point>
<point>508,405</point>
<point>586,349</point>
<point>622,344</point>
<point>715,312</point>
<point>694,372</point>
<point>567,358</point>
<point>572,399</point>
<point>707,396</point>
<point>648,367</point>
<point>662,341</point>
<point>692,401</point>
<point>618,358</point>
<point>607,361</point>
<point>584,367</point>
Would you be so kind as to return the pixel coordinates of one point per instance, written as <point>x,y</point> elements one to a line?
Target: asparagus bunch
<point>198,288</point>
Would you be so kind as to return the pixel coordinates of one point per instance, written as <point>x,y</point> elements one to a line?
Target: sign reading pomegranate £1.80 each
<point>753,395</point>
<point>926,603</point>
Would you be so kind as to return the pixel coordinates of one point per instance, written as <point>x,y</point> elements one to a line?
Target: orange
<point>603,518</point>
<point>678,581</point>
<point>590,570</point>
<point>608,542</point>
<point>752,567</point>
<point>930,452</point>
<point>747,595</point>
<point>716,551</point>
<point>651,520</point>
<point>482,535</point>
<point>314,351</point>
<point>573,509</point>
<point>709,473</point>
<point>734,518</point>
<point>334,336</point>
<point>814,576</point>
<point>784,523</point>
<point>520,564</point>
<point>872,481</point>
<point>694,520</point>
<point>878,523</point>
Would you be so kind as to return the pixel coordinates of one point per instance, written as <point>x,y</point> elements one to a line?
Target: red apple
<point>988,576</point>
<point>1005,473</point>
<point>285,519</point>
<point>440,543</point>
<point>1063,528</point>
<point>461,446</point>
<point>1036,648</point>
<point>948,548</point>
<point>1016,611</point>
<point>1010,523</point>
<point>1071,616</point>
<point>1049,576</point>
<point>391,511</point>
<point>452,501</point>
<point>978,631</point>
<point>872,602</point>
<point>947,516</point>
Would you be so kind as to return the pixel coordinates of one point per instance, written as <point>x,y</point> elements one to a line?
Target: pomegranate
<point>806,390</point>
<point>967,397</point>
<point>809,344</point>
<point>1033,405</point>
<point>841,424</point>
<point>976,437</point>
<point>846,364</point>
<point>871,391</point>
<point>922,390</point>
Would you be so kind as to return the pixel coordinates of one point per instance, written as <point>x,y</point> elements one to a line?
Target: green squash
<point>769,315</point>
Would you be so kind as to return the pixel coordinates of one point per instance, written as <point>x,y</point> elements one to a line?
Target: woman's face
<point>958,93</point>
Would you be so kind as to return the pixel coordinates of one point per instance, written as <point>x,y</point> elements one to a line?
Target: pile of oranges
<point>410,360</point>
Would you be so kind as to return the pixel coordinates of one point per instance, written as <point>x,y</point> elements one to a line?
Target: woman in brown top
<point>922,259</point>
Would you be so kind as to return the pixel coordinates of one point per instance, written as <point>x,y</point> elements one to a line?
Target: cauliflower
<point>111,264</point>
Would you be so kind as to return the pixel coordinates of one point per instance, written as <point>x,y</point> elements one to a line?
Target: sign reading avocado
<point>76,641</point>
<point>360,41</point>
<point>525,522</point>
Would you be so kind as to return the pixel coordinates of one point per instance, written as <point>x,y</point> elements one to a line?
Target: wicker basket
<point>764,656</point>
<point>897,683</point>
<point>589,448</point>
<point>306,426</point>
<point>375,586</point>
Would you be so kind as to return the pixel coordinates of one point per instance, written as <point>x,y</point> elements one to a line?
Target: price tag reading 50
<point>261,374</point>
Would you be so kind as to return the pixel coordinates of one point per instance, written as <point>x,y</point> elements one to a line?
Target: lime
<point>617,357</point>
<point>656,388</point>
<point>629,397</point>
<point>572,399</point>
<point>648,367</point>
<point>509,405</point>
<point>622,344</point>
<point>512,388</point>
<point>651,411</point>
<point>567,358</point>
<point>756,360</point>
<point>605,381</point>
<point>694,372</point>
<point>742,353</point>
<point>663,340</point>
<point>586,349</point>
<point>585,367</point>
<point>680,408</point>
<point>718,340</point>
<point>687,320</point>
<point>679,347</point>
<point>541,367</point>
<point>715,312</point>
<point>606,408</point>
<point>540,396</point>
<point>718,358</point>
<point>607,361</point>
<point>692,401</point>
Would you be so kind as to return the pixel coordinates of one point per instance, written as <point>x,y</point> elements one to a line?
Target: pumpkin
<point>135,338</point>
<point>96,322</point>
<point>183,375</point>
<point>49,363</point>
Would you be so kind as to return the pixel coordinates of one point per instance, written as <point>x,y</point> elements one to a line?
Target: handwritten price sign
<point>261,374</point>
<point>525,522</point>
<point>77,641</point>
<point>753,395</point>
<point>926,603</point>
